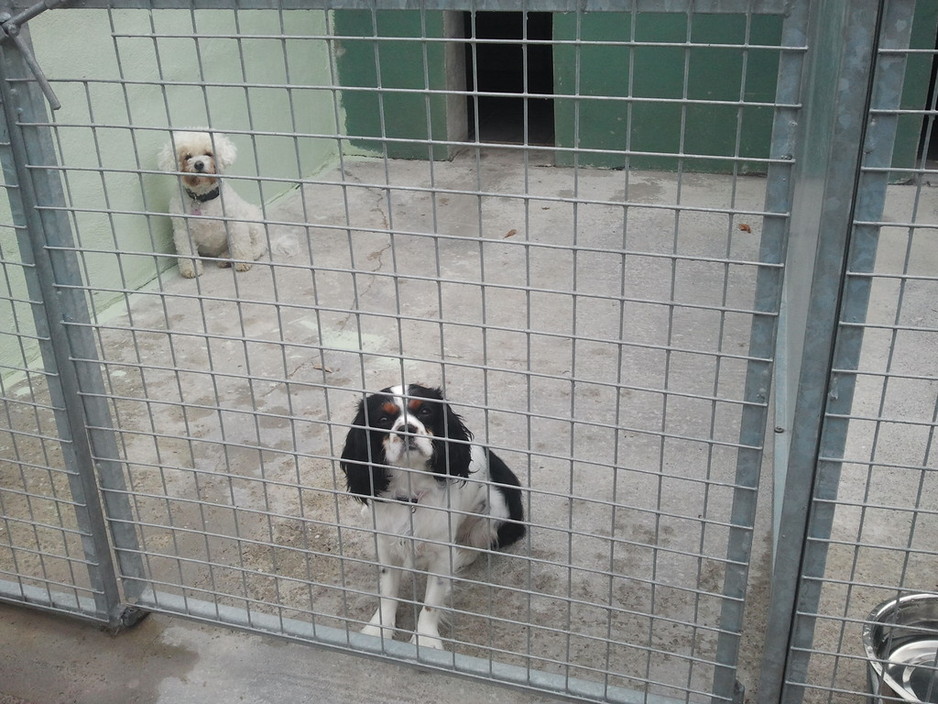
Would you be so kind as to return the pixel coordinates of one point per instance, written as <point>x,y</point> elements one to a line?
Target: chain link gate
<point>600,300</point>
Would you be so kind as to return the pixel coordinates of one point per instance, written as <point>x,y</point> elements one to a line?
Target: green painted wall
<point>658,73</point>
<point>412,66</point>
<point>121,89</point>
<point>590,74</point>
<point>915,87</point>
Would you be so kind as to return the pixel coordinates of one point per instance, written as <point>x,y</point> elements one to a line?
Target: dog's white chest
<point>414,512</point>
<point>210,208</point>
<point>211,238</point>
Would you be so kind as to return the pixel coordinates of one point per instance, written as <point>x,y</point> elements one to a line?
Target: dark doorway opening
<point>929,142</point>
<point>499,67</point>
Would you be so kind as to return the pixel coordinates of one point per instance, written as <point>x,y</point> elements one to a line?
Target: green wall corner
<point>387,73</point>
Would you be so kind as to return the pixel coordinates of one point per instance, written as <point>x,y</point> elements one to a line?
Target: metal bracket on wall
<point>10,26</point>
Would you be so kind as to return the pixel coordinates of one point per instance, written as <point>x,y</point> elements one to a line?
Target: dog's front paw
<point>378,631</point>
<point>425,641</point>
<point>242,266</point>
<point>189,268</point>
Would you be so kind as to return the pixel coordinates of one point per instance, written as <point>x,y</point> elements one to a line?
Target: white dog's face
<point>200,156</point>
<point>198,165</point>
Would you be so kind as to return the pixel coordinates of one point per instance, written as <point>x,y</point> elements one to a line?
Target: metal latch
<point>10,29</point>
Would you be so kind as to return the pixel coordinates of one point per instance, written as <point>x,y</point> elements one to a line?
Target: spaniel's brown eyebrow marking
<point>390,407</point>
<point>414,404</point>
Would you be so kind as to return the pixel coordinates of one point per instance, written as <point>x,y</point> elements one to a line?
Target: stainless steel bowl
<point>901,643</point>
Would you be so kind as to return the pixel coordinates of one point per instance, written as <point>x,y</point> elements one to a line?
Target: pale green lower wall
<point>121,90</point>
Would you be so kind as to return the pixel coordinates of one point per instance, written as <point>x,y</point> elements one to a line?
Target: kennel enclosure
<point>671,260</point>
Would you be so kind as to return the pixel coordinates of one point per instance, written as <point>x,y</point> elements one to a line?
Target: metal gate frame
<point>89,449</point>
<point>861,48</point>
<point>816,141</point>
<point>845,216</point>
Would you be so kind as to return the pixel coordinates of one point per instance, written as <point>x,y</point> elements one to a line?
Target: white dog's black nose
<point>198,166</point>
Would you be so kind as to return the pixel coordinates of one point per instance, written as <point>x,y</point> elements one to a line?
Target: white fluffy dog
<point>209,218</point>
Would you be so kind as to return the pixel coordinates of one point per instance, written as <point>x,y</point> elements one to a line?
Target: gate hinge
<point>10,29</point>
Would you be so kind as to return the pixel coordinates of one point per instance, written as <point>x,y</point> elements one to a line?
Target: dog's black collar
<point>205,197</point>
<point>413,499</point>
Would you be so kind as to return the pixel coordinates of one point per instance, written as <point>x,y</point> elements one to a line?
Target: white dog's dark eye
<point>208,154</point>
<point>187,157</point>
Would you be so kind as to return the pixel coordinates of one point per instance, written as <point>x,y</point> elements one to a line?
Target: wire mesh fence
<point>875,494</point>
<point>588,261</point>
<point>881,544</point>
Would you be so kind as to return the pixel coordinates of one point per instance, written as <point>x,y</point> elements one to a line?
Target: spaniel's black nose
<point>407,430</point>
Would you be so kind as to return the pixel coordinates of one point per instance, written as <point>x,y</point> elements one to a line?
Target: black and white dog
<point>433,494</point>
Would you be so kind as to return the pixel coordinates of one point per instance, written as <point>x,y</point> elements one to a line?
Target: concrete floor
<point>234,391</point>
<point>164,660</point>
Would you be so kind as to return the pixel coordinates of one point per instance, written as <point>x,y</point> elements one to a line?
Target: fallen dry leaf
<point>744,227</point>
<point>510,233</point>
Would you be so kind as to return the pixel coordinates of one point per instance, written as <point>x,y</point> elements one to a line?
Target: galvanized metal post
<point>62,317</point>
<point>839,70</point>
<point>762,348</point>
<point>877,150</point>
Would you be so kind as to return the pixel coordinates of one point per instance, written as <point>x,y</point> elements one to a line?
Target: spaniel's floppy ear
<point>452,458</point>
<point>363,478</point>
